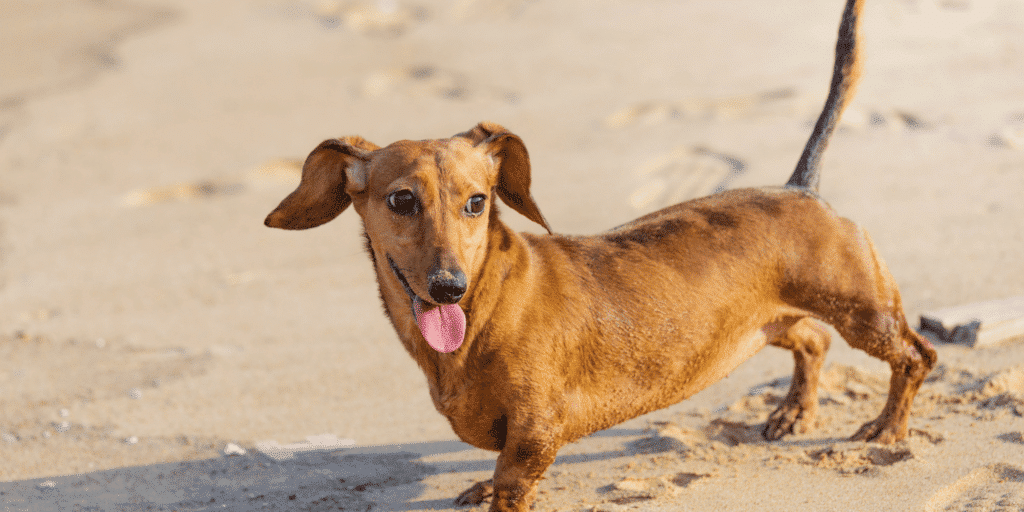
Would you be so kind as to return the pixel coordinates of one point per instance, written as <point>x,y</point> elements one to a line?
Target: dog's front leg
<point>520,466</point>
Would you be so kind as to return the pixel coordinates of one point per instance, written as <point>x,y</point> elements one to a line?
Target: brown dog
<point>530,342</point>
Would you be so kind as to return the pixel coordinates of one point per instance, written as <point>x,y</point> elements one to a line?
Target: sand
<point>153,333</point>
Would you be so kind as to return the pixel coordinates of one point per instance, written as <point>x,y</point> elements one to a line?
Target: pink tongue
<point>444,327</point>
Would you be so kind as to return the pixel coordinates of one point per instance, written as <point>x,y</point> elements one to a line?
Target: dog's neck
<point>508,258</point>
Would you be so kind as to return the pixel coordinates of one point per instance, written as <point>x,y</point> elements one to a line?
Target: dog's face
<point>426,207</point>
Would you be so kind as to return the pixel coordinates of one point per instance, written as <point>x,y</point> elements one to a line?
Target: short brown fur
<point>567,335</point>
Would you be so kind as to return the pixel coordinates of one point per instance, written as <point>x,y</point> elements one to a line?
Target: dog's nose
<point>447,286</point>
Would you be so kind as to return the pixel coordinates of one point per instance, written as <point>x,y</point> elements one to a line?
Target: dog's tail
<point>844,79</point>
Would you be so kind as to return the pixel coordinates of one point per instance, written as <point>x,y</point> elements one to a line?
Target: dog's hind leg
<point>809,342</point>
<point>868,313</point>
<point>911,358</point>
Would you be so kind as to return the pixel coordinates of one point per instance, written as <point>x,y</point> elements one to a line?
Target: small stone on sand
<point>233,449</point>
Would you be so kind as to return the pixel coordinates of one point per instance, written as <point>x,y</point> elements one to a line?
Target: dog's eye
<point>475,205</point>
<point>402,202</point>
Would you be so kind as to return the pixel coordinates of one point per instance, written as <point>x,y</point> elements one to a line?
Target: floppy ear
<point>513,161</point>
<point>321,195</point>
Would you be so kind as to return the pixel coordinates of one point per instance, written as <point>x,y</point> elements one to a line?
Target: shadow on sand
<point>387,477</point>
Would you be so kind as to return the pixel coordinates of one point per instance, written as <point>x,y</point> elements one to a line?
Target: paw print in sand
<point>683,174</point>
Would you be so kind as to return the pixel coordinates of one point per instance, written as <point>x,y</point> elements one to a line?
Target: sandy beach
<point>156,340</point>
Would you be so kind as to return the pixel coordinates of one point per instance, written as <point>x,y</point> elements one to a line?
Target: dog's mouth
<point>443,327</point>
<point>401,279</point>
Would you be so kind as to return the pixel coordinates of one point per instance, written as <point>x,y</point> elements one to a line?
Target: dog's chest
<point>476,420</point>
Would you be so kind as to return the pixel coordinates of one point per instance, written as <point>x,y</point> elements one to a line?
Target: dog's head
<point>426,207</point>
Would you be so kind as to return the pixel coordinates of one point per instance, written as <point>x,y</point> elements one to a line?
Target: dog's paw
<point>789,418</point>
<point>786,421</point>
<point>880,431</point>
<point>476,494</point>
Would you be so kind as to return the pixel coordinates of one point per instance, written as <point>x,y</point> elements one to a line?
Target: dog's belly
<point>620,397</point>
<point>727,359</point>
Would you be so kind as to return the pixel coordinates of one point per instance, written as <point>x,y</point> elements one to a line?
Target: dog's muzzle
<point>442,324</point>
<point>446,286</point>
